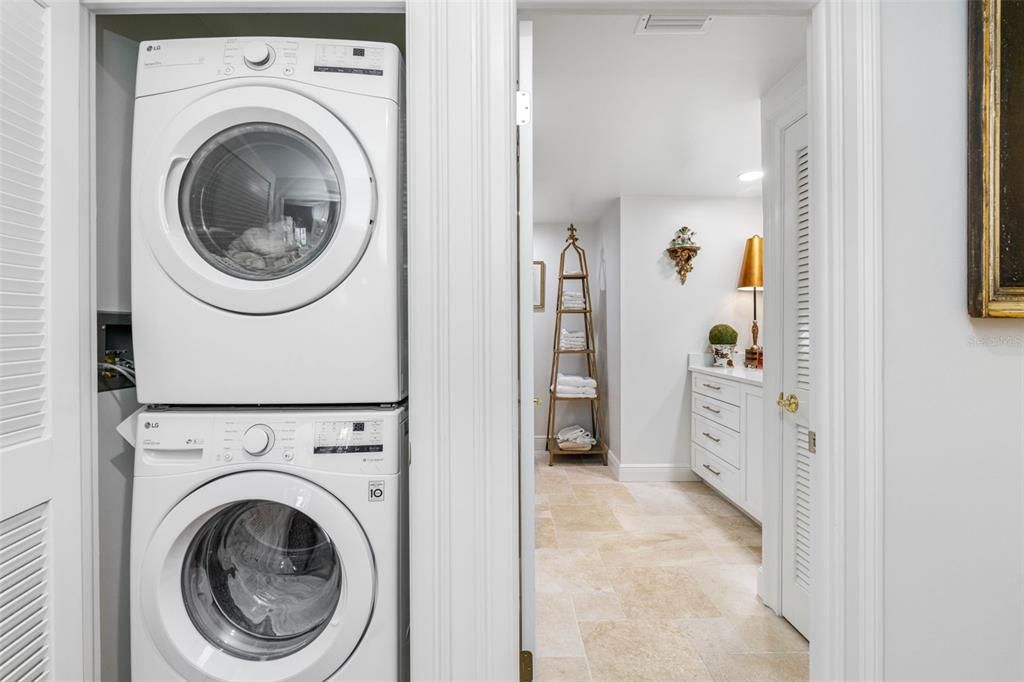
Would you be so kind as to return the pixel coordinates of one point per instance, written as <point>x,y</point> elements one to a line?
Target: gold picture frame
<point>539,275</point>
<point>995,221</point>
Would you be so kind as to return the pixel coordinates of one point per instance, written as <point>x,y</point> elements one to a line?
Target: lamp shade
<point>752,269</point>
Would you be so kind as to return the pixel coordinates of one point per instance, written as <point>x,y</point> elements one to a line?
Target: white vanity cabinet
<point>727,433</point>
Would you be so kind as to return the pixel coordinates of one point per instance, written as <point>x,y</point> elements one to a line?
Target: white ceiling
<point>616,114</point>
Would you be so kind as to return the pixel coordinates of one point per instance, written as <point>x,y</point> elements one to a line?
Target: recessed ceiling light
<point>751,176</point>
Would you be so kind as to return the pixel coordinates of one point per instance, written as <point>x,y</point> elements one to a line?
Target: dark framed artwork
<point>995,163</point>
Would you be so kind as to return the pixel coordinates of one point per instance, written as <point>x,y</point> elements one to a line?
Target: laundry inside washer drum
<point>261,580</point>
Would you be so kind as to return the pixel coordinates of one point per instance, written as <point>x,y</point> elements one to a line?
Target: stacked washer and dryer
<point>268,299</point>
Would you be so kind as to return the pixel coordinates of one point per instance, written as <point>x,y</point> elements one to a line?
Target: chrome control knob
<point>258,55</point>
<point>258,439</point>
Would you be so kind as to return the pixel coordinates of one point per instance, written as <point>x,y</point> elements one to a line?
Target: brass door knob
<point>789,403</point>
<point>536,401</point>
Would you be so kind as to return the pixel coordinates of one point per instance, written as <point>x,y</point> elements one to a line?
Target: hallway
<point>650,581</point>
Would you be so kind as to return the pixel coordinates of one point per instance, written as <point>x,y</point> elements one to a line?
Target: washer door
<point>257,200</point>
<point>258,576</point>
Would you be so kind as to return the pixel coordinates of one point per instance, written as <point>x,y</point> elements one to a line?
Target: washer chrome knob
<point>258,55</point>
<point>258,439</point>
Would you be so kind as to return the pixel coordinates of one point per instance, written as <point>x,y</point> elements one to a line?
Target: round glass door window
<point>261,580</point>
<point>260,201</point>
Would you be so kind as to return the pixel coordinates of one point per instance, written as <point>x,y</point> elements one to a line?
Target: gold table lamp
<point>752,279</point>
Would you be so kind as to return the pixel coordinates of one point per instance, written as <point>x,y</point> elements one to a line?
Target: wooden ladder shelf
<point>589,353</point>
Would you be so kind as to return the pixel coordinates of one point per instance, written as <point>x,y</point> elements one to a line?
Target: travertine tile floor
<point>650,581</point>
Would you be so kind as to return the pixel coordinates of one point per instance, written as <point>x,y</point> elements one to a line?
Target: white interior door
<point>796,360</point>
<point>526,406</point>
<point>43,529</point>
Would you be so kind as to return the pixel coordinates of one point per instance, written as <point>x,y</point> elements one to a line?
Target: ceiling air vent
<point>672,24</point>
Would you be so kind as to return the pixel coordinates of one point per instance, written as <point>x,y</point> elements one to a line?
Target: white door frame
<point>464,421</point>
<point>527,441</point>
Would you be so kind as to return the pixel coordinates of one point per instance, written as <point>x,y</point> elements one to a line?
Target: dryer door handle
<point>172,186</point>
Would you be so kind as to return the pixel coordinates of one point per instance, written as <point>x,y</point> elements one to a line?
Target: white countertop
<point>699,363</point>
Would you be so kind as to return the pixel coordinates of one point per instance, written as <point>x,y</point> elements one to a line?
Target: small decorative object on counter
<point>723,339</point>
<point>682,250</point>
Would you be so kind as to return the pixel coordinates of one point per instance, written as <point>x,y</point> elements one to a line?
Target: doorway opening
<point>676,147</point>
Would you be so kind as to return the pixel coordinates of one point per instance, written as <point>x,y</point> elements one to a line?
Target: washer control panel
<point>357,441</point>
<point>352,66</point>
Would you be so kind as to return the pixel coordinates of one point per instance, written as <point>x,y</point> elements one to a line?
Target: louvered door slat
<point>21,382</point>
<point>21,327</point>
<point>18,245</point>
<point>11,175</point>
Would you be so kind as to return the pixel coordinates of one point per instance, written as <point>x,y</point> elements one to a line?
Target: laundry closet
<point>259,331</point>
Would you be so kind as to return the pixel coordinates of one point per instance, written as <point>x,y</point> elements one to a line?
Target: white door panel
<point>41,446</point>
<point>796,426</point>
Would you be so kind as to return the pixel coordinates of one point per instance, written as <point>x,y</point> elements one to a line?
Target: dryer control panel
<point>358,441</point>
<point>360,67</point>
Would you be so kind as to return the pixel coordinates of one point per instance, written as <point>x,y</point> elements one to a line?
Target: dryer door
<point>258,576</point>
<point>257,200</point>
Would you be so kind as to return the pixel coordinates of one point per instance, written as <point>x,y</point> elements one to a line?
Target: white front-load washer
<point>269,545</point>
<point>268,258</point>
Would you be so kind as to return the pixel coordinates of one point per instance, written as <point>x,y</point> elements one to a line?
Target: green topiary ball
<point>723,334</point>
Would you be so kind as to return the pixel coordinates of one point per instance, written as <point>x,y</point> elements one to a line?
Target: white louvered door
<point>41,515</point>
<point>797,460</point>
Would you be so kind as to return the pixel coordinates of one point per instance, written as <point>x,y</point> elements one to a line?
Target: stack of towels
<point>570,385</point>
<point>573,300</point>
<point>575,437</point>
<point>573,340</point>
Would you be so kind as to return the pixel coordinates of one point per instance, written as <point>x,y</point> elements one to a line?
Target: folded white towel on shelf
<point>575,380</point>
<point>572,295</point>
<point>576,434</point>
<point>573,335</point>
<point>573,391</point>
<point>572,271</point>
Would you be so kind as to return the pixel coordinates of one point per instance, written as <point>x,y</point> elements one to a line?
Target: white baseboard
<point>540,443</point>
<point>649,473</point>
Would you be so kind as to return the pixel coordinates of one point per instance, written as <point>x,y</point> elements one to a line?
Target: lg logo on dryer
<point>151,425</point>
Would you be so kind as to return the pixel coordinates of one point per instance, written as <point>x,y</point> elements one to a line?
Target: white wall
<point>662,320</point>
<point>115,96</point>
<point>954,387</point>
<point>608,325</point>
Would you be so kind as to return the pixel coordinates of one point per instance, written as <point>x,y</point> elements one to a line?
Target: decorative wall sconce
<point>682,251</point>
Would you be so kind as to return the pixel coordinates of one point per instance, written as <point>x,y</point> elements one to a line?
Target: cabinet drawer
<point>717,411</point>
<point>718,439</point>
<point>719,473</point>
<point>726,391</point>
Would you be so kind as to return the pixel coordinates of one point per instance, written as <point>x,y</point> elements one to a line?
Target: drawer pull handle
<point>711,409</point>
<point>713,387</point>
<point>708,435</point>
<point>712,469</point>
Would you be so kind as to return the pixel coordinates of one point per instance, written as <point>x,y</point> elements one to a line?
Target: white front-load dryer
<point>268,258</point>
<point>269,545</point>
